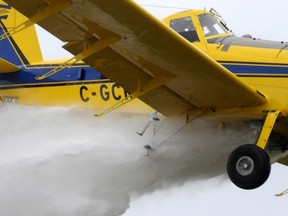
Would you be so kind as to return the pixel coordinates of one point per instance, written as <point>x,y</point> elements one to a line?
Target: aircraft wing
<point>134,49</point>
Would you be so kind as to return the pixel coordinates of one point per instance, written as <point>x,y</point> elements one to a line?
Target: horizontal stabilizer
<point>8,67</point>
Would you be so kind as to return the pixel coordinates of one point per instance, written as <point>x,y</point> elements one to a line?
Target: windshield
<point>211,26</point>
<point>185,27</point>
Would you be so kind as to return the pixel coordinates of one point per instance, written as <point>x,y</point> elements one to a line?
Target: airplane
<point>188,66</point>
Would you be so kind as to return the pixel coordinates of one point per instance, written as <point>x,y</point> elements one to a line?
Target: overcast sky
<point>261,19</point>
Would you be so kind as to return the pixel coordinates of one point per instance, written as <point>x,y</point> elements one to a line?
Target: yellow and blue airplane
<point>188,66</point>
<point>21,61</point>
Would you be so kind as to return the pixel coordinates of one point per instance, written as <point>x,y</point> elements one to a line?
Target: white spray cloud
<point>56,161</point>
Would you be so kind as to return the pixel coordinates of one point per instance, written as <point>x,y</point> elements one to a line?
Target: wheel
<point>248,166</point>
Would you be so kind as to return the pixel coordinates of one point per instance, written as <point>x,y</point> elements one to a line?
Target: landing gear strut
<point>248,166</point>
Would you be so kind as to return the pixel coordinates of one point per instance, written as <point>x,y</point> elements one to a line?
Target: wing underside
<point>147,58</point>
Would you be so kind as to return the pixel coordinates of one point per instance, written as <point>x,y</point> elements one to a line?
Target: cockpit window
<point>184,26</point>
<point>210,26</point>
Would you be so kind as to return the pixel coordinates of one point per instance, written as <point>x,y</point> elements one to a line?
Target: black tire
<point>248,166</point>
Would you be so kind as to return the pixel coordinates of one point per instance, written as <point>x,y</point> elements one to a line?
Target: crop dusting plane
<point>21,63</point>
<point>188,66</point>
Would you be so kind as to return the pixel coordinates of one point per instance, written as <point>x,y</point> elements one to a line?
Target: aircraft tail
<point>21,48</point>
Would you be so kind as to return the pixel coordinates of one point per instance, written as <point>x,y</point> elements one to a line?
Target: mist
<point>61,161</point>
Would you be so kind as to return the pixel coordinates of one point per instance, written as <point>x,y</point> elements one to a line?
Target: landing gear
<point>248,166</point>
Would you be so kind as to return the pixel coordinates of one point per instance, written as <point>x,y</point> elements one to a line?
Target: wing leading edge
<point>145,57</point>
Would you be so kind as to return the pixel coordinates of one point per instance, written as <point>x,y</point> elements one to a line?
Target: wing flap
<point>147,51</point>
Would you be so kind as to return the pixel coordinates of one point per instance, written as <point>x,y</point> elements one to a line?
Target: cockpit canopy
<point>211,26</point>
<point>185,27</point>
<point>211,23</point>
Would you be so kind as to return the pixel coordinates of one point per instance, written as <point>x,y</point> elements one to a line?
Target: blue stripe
<point>84,73</point>
<point>7,51</point>
<point>4,17</point>
<point>27,76</point>
<point>257,69</point>
<point>5,6</point>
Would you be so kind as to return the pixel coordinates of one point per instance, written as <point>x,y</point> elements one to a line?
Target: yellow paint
<point>274,88</point>
<point>73,95</point>
<point>155,64</point>
<point>26,39</point>
<point>267,128</point>
<point>98,46</point>
<point>240,98</point>
<point>282,193</point>
<point>136,59</point>
<point>8,67</point>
